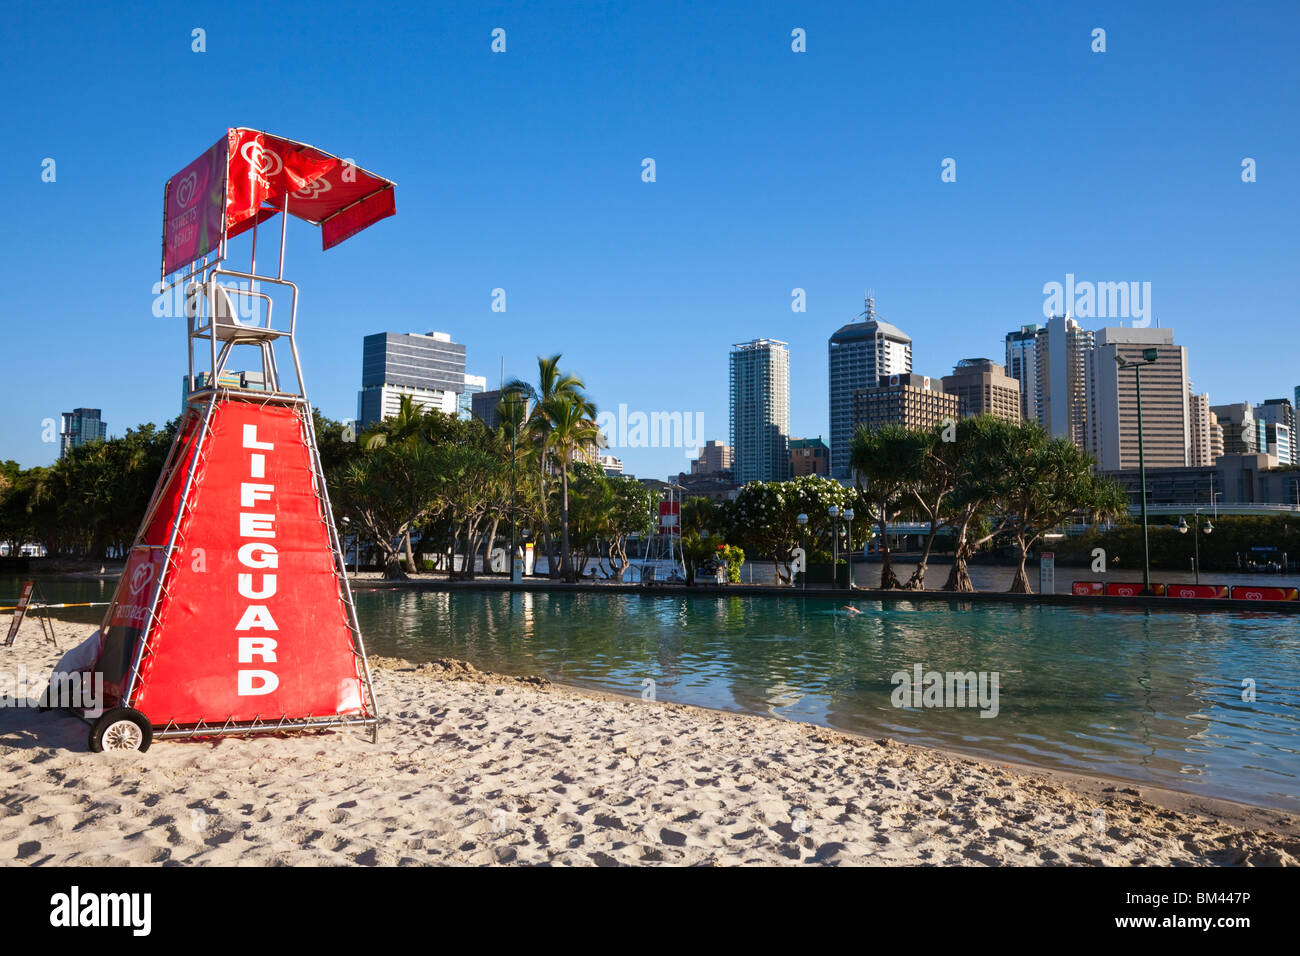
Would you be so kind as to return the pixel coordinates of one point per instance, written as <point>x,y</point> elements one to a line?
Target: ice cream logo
<point>265,162</point>
<point>187,190</point>
<point>312,190</point>
<point>140,577</point>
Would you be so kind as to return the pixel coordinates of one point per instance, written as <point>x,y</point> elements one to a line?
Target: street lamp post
<point>834,512</point>
<point>803,545</point>
<point>1196,541</point>
<point>1148,356</point>
<point>848,544</point>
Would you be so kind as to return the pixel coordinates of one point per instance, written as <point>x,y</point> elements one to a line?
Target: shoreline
<point>479,768</point>
<point>1093,784</point>
<point>369,581</point>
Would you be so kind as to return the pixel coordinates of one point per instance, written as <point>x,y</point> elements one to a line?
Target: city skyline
<point>775,171</point>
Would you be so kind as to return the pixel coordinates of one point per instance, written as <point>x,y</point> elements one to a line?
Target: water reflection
<point>1130,692</point>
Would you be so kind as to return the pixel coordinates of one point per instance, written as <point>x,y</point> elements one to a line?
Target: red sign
<point>250,621</point>
<point>250,176</point>
<point>1131,589</point>
<point>193,209</point>
<point>1197,591</point>
<point>1087,588</point>
<point>670,517</point>
<point>1265,594</point>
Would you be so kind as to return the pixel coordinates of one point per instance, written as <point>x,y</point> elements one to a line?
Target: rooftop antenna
<point>869,314</point>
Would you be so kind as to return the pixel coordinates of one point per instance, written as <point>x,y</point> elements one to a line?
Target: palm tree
<point>571,425</point>
<point>554,388</point>
<point>402,429</point>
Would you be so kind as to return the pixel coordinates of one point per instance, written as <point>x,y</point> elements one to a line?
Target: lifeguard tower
<point>234,615</point>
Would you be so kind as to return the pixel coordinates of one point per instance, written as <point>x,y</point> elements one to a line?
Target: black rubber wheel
<point>122,728</point>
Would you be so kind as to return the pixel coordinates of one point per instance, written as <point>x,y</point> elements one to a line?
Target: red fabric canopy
<point>248,177</point>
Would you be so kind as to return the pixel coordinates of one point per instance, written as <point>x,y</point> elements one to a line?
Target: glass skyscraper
<point>859,354</point>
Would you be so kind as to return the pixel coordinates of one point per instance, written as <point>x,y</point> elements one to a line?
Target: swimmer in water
<point>850,610</point>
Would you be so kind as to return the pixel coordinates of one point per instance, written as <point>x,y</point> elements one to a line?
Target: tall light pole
<point>834,512</point>
<point>1148,356</point>
<point>848,544</point>
<point>1196,541</point>
<point>514,473</point>
<point>803,545</point>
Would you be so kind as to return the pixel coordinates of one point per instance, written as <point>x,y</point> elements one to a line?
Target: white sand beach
<point>472,768</point>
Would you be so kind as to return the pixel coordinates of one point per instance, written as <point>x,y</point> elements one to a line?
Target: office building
<point>1280,443</point>
<point>80,427</point>
<point>1060,356</point>
<point>1022,365</point>
<point>611,466</point>
<point>483,406</point>
<point>1112,414</point>
<point>714,459</point>
<point>1205,446</point>
<point>760,410</point>
<point>859,354</point>
<point>474,385</point>
<point>984,388</point>
<point>913,401</point>
<point>1240,431</point>
<point>809,456</point>
<point>429,368</point>
<point>1232,480</point>
<point>1279,418</point>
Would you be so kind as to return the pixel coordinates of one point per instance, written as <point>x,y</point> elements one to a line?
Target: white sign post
<point>1047,572</point>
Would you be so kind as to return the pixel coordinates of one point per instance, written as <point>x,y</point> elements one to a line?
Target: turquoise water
<point>1153,697</point>
<point>1147,696</point>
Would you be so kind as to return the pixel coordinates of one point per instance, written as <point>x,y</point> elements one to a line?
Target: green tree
<point>888,462</point>
<point>1045,481</point>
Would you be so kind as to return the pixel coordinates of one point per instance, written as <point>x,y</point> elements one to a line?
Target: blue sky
<point>775,170</point>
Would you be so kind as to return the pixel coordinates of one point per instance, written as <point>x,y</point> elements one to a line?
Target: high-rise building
<point>429,368</point>
<point>483,405</point>
<point>760,410</point>
<point>913,401</point>
<point>1112,411</point>
<point>1279,441</point>
<point>715,458</point>
<point>1240,432</point>
<point>859,354</point>
<point>79,427</point>
<point>1022,365</point>
<point>1206,442</point>
<point>809,456</point>
<point>1278,416</point>
<point>984,389</point>
<point>474,385</point>
<point>1060,353</point>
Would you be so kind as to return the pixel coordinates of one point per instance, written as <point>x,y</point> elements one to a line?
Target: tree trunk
<point>1020,583</point>
<point>410,557</point>
<point>565,557</point>
<point>888,580</point>
<point>917,581</point>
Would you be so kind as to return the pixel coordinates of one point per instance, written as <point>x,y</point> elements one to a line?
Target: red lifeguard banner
<point>248,176</point>
<point>249,623</point>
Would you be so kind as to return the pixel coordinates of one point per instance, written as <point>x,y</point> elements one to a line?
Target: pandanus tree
<point>887,461</point>
<point>984,445</point>
<point>1044,481</point>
